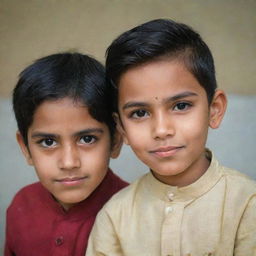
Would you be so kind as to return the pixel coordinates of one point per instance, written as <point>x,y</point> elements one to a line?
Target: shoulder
<point>238,182</point>
<point>116,182</point>
<point>28,190</point>
<point>26,195</point>
<point>126,197</point>
<point>234,180</point>
<point>238,179</point>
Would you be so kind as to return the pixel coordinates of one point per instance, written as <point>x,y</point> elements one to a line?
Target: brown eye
<point>47,143</point>
<point>182,106</point>
<point>139,113</point>
<point>88,139</point>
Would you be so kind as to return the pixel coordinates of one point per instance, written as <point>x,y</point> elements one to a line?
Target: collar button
<point>171,196</point>
<point>59,241</point>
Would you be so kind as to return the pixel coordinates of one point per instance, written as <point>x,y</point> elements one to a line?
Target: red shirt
<point>37,225</point>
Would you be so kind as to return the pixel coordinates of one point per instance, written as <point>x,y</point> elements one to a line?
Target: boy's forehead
<point>167,59</point>
<point>66,113</point>
<point>159,78</point>
<point>71,101</point>
<point>165,67</point>
<point>52,107</point>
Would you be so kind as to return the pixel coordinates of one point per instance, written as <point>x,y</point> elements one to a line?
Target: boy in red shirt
<point>66,131</point>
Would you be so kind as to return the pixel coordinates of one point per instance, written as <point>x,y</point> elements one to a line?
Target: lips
<point>168,151</point>
<point>71,180</point>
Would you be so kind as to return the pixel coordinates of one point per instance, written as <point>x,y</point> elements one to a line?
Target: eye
<point>182,106</point>
<point>47,143</point>
<point>139,113</point>
<point>88,139</point>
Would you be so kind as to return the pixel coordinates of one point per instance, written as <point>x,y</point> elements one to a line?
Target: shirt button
<point>171,196</point>
<point>59,241</point>
<point>168,209</point>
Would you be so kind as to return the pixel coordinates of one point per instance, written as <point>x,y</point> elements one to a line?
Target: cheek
<point>196,128</point>
<point>44,170</point>
<point>140,145</point>
<point>45,165</point>
<point>99,157</point>
<point>135,131</point>
<point>136,136</point>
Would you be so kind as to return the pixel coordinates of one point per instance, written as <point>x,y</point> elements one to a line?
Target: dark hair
<point>156,40</point>
<point>57,76</point>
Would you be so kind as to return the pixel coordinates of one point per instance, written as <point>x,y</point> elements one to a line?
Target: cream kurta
<point>216,215</point>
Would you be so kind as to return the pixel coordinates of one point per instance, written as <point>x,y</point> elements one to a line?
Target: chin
<point>168,173</point>
<point>73,199</point>
<point>168,170</point>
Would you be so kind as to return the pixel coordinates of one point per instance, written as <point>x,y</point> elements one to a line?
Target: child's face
<point>69,149</point>
<point>164,117</point>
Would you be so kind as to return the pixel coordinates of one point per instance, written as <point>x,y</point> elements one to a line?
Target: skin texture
<point>69,149</point>
<point>164,116</point>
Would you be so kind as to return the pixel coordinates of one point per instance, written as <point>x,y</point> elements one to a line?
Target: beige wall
<point>30,29</point>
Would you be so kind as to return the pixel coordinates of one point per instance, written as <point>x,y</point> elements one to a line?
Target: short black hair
<point>156,40</point>
<point>74,75</point>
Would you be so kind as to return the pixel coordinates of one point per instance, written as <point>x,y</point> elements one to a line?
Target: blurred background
<point>30,29</point>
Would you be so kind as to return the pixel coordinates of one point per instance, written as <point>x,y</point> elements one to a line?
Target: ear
<point>117,145</point>
<point>24,148</point>
<point>217,109</point>
<point>120,127</point>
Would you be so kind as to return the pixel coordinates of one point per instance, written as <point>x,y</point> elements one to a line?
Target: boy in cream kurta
<point>165,98</point>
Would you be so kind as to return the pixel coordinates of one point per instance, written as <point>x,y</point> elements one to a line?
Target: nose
<point>163,126</point>
<point>69,158</point>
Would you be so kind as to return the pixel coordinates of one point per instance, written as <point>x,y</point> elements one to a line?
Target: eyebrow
<point>89,131</point>
<point>79,133</point>
<point>132,104</point>
<point>179,96</point>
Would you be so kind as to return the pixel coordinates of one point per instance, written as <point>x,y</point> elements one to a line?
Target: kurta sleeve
<point>7,250</point>
<point>246,234</point>
<point>103,240</point>
<point>7,246</point>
